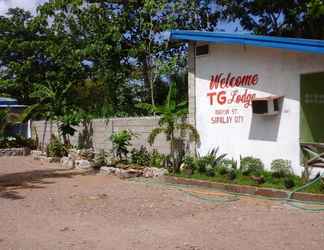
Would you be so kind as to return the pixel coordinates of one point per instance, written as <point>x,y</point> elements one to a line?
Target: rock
<point>14,152</point>
<point>129,173</point>
<point>49,159</point>
<point>74,154</point>
<point>87,154</point>
<point>83,164</point>
<point>107,170</point>
<point>67,163</point>
<point>154,172</point>
<point>37,154</point>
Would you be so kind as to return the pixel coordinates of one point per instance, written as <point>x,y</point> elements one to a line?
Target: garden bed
<point>14,151</point>
<point>310,194</point>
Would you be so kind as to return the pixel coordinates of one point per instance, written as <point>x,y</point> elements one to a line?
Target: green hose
<point>297,204</point>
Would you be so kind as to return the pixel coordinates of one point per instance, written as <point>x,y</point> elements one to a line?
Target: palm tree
<point>171,123</point>
<point>53,105</point>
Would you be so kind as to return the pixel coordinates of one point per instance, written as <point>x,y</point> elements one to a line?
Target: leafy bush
<point>101,158</point>
<point>229,163</point>
<point>17,142</point>
<point>251,166</point>
<point>281,168</point>
<point>157,160</point>
<point>222,170</point>
<point>121,142</point>
<point>56,148</point>
<point>289,182</point>
<point>140,156</point>
<point>210,171</point>
<point>231,175</point>
<point>211,158</point>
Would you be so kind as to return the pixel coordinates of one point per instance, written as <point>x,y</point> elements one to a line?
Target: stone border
<point>244,189</point>
<point>14,152</point>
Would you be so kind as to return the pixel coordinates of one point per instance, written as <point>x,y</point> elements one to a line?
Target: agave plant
<point>172,124</point>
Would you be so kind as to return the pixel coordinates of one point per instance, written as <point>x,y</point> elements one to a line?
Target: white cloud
<point>30,5</point>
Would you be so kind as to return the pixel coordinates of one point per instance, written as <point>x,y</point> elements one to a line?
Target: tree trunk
<point>148,79</point>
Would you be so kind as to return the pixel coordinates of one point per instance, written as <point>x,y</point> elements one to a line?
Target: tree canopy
<point>110,55</point>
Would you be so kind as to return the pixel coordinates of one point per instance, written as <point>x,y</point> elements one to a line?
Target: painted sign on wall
<point>228,89</point>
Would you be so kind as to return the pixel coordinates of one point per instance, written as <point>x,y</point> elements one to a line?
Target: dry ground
<point>42,207</point>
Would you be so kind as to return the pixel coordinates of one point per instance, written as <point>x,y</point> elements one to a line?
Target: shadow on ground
<point>11,183</point>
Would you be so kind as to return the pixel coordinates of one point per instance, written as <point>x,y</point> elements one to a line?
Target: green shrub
<point>222,170</point>
<point>229,163</point>
<point>210,171</point>
<point>202,163</point>
<point>322,184</point>
<point>101,159</point>
<point>231,175</point>
<point>121,142</point>
<point>289,182</point>
<point>211,158</point>
<point>251,166</point>
<point>140,157</point>
<point>157,160</point>
<point>189,164</point>
<point>17,142</point>
<point>281,168</point>
<point>56,148</point>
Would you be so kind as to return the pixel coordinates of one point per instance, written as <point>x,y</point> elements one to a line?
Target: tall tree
<point>281,18</point>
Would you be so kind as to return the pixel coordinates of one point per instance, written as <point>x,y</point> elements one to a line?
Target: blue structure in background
<point>292,44</point>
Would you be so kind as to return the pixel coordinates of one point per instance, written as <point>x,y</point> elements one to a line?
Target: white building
<point>255,95</point>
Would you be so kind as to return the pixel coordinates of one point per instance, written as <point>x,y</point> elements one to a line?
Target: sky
<point>30,5</point>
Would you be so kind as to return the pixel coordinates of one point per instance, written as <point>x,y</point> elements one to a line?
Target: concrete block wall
<point>99,131</point>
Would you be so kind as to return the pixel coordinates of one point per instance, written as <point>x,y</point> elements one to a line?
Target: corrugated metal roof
<point>292,44</point>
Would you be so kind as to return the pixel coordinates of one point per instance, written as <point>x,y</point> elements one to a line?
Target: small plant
<point>121,142</point>
<point>231,175</point>
<point>281,168</point>
<point>210,171</point>
<point>251,166</point>
<point>189,165</point>
<point>157,160</point>
<point>322,184</point>
<point>222,170</point>
<point>289,182</point>
<point>56,148</point>
<point>211,158</point>
<point>140,156</point>
<point>101,159</point>
<point>229,163</point>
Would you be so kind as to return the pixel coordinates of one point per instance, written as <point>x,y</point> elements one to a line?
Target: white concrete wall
<point>267,138</point>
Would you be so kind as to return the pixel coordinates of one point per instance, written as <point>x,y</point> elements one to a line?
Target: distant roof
<point>6,102</point>
<point>292,44</point>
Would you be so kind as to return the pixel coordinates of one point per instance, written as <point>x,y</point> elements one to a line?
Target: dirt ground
<point>44,207</point>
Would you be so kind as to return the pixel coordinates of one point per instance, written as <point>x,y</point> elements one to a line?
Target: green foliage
<point>17,142</point>
<point>251,166</point>
<point>281,168</point>
<point>56,148</point>
<point>121,141</point>
<point>229,163</point>
<point>210,171</point>
<point>140,156</point>
<point>289,182</point>
<point>231,175</point>
<point>145,158</point>
<point>101,159</point>
<point>157,160</point>
<point>222,170</point>
<point>278,18</point>
<point>172,116</point>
